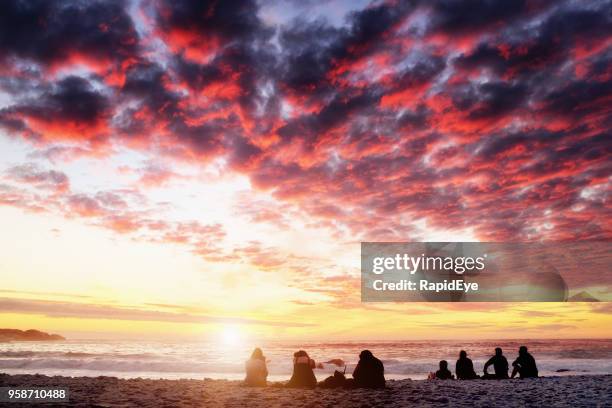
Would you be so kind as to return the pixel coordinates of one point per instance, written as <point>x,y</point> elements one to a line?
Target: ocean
<point>402,359</point>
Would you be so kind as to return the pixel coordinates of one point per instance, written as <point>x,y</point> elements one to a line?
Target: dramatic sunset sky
<point>189,168</point>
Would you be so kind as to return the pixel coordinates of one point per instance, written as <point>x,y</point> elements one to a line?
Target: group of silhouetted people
<point>524,366</point>
<point>369,372</point>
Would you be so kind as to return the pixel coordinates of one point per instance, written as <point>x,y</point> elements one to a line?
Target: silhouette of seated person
<point>369,373</point>
<point>524,365</point>
<point>443,373</point>
<point>464,368</point>
<point>302,376</point>
<point>334,381</point>
<point>500,365</point>
<point>256,370</point>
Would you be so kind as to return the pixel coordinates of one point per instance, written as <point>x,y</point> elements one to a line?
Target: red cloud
<point>448,113</point>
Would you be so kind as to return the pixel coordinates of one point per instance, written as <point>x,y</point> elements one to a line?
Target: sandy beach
<point>574,391</point>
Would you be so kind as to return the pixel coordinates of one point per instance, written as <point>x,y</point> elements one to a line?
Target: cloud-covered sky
<point>266,139</point>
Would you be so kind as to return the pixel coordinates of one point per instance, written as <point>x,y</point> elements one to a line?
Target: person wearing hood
<point>369,373</point>
<point>302,376</point>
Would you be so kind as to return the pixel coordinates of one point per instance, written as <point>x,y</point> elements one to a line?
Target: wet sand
<point>574,391</point>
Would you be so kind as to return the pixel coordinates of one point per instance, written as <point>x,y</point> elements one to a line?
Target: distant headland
<point>27,335</point>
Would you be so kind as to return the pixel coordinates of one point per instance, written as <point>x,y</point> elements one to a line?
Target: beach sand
<point>575,391</point>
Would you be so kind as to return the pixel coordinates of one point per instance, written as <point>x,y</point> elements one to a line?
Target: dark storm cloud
<point>495,99</point>
<point>308,52</point>
<point>581,21</point>
<point>67,109</point>
<point>145,81</point>
<point>51,31</point>
<point>334,113</point>
<point>243,152</point>
<point>222,51</point>
<point>550,39</point>
<point>455,15</point>
<point>72,99</point>
<point>204,140</point>
<point>415,119</point>
<point>489,98</point>
<point>501,143</point>
<point>369,25</point>
<point>426,68</point>
<point>578,98</point>
<point>312,48</point>
<point>197,75</point>
<point>156,106</point>
<point>11,124</point>
<point>599,64</point>
<point>228,20</point>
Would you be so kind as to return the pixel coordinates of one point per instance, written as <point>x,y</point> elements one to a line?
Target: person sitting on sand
<point>302,376</point>
<point>256,370</point>
<point>524,364</point>
<point>369,373</point>
<point>500,365</point>
<point>334,381</point>
<point>464,367</point>
<point>443,373</point>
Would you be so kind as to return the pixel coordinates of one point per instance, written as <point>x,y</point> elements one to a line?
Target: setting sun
<point>231,335</point>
